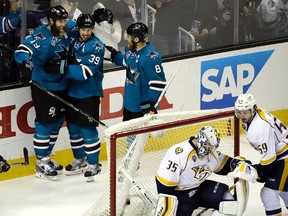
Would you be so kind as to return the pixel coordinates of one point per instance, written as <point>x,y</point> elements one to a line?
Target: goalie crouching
<point>182,182</point>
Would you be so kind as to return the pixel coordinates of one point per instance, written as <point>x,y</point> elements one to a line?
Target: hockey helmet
<point>139,30</point>
<point>245,102</point>
<point>85,21</point>
<point>103,14</point>
<point>208,138</point>
<point>57,12</point>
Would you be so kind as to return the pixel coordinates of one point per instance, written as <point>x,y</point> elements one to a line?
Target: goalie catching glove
<point>244,170</point>
<point>56,66</point>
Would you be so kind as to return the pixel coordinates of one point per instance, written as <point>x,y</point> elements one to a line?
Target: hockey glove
<point>56,66</point>
<point>25,72</point>
<point>148,108</point>
<point>237,160</point>
<point>103,14</point>
<point>4,166</point>
<point>245,171</point>
<point>113,51</point>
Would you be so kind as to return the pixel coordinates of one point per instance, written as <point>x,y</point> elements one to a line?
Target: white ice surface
<point>72,195</point>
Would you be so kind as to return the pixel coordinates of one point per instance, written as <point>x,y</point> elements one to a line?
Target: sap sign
<point>222,80</point>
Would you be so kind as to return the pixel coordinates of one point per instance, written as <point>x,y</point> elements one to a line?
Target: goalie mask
<point>208,140</point>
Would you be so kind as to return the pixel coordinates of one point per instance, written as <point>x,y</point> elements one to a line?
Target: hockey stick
<point>26,159</point>
<point>67,103</point>
<point>7,47</point>
<point>164,91</point>
<point>206,209</point>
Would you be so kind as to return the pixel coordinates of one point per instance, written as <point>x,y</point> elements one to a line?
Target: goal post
<point>134,156</point>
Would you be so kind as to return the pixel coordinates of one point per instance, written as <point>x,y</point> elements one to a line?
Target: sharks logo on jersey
<point>63,52</point>
<point>202,172</point>
<point>153,55</point>
<point>39,36</point>
<point>98,47</point>
<point>131,76</point>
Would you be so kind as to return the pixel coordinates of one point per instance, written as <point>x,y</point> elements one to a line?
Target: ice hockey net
<point>131,188</point>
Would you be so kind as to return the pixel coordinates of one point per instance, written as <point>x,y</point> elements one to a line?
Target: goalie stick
<point>143,193</point>
<point>26,159</point>
<point>67,103</point>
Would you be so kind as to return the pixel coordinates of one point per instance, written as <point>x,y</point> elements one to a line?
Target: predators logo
<point>202,172</point>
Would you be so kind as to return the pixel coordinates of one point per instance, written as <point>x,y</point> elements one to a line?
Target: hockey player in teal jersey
<point>85,75</point>
<point>11,21</point>
<point>50,44</point>
<point>145,78</point>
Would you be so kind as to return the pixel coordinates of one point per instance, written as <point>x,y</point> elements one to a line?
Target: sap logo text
<point>222,80</point>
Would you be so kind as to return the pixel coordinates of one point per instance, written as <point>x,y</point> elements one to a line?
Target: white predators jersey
<point>182,167</point>
<point>268,135</point>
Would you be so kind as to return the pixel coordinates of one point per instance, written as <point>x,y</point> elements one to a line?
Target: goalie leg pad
<point>228,207</point>
<point>166,205</point>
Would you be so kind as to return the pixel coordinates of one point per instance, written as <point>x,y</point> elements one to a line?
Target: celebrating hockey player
<point>182,182</point>
<point>10,22</point>
<point>49,43</point>
<point>145,78</point>
<point>267,135</point>
<point>85,73</point>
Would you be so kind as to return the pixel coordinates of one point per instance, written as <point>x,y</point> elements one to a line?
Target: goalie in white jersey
<point>181,179</point>
<point>267,135</point>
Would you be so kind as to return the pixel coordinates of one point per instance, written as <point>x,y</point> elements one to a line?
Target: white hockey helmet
<point>208,138</point>
<point>245,102</point>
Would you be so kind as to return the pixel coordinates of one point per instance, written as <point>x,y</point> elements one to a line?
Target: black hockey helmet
<point>57,12</point>
<point>139,30</point>
<point>103,14</point>
<point>85,21</point>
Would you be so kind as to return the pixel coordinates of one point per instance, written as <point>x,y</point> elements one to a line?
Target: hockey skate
<point>77,166</point>
<point>91,171</point>
<point>44,169</point>
<point>56,166</point>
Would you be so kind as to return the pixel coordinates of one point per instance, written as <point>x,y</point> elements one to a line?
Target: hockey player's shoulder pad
<point>152,54</point>
<point>94,45</point>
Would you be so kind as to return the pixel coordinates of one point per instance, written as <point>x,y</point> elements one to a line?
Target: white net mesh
<point>138,156</point>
